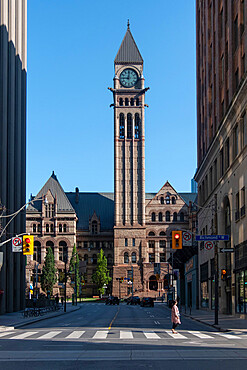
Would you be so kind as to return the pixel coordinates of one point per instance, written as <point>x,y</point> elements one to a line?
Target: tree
<point>48,277</point>
<point>74,268</point>
<point>101,275</point>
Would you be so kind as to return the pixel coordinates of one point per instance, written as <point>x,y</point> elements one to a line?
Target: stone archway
<point>153,284</point>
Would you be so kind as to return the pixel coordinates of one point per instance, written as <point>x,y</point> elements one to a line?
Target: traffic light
<point>176,239</point>
<point>223,274</point>
<point>27,245</point>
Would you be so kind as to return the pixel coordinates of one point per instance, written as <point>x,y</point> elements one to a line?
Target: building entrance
<point>153,284</point>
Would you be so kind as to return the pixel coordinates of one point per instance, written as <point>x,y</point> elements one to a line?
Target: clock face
<point>128,78</point>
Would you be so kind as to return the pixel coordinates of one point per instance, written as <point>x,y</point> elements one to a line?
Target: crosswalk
<point>117,334</point>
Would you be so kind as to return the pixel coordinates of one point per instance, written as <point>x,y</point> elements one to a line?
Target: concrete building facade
<point>221,148</point>
<point>13,69</point>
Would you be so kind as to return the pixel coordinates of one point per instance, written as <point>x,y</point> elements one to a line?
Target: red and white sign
<point>208,245</point>
<point>17,244</point>
<point>187,239</point>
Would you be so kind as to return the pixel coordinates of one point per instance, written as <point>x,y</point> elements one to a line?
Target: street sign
<point>212,237</point>
<point>225,250</point>
<point>208,245</point>
<point>187,239</point>
<point>17,244</point>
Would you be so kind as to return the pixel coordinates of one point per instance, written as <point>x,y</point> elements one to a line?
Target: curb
<point>19,325</point>
<point>206,323</point>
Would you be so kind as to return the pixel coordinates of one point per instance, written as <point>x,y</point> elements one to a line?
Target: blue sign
<point>212,237</point>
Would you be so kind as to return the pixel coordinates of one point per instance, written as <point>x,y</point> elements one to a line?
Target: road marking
<point>75,334</point>
<point>6,333</point>
<point>157,322</point>
<point>49,335</point>
<point>151,335</point>
<point>200,335</point>
<point>228,336</point>
<point>114,318</point>
<point>100,334</point>
<point>175,336</point>
<point>151,315</point>
<point>24,335</point>
<point>126,335</point>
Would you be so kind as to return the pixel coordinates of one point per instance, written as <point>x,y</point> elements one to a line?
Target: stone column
<point>156,252</point>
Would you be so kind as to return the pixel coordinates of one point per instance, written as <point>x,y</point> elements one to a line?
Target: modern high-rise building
<point>13,69</point>
<point>221,148</point>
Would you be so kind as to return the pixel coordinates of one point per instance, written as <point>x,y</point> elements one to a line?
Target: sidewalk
<point>226,322</point>
<point>16,320</point>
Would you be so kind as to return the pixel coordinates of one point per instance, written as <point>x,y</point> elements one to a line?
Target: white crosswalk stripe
<point>6,333</point>
<point>75,334</point>
<point>151,335</point>
<point>228,336</point>
<point>24,335</point>
<point>175,336</point>
<point>101,334</point>
<point>50,335</point>
<point>126,335</point>
<point>200,335</point>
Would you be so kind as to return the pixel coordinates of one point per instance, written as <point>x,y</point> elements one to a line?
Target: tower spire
<point>128,24</point>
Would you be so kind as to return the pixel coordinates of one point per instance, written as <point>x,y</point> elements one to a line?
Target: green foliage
<point>101,275</point>
<point>48,277</point>
<point>74,269</point>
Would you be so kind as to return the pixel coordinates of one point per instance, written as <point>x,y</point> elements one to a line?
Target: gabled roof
<point>128,51</point>
<point>85,204</point>
<point>52,185</point>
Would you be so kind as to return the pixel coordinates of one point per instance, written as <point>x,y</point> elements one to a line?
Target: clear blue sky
<point>71,49</point>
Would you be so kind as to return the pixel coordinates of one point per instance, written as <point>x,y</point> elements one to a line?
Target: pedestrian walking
<point>175,316</point>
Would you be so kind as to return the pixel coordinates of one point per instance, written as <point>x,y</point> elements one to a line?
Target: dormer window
<point>132,102</point>
<point>173,200</point>
<point>153,216</point>
<point>162,200</point>
<point>94,227</point>
<point>64,228</point>
<point>121,102</point>
<point>34,228</point>
<point>167,199</point>
<point>60,228</point>
<point>126,101</point>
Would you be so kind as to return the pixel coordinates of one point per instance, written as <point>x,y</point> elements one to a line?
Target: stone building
<point>133,228</point>
<point>221,148</point>
<point>13,70</point>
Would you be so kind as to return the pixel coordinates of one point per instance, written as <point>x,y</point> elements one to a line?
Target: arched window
<point>137,125</point>
<point>162,200</point>
<point>182,216</point>
<point>167,199</point>
<point>50,244</point>
<point>126,101</point>
<point>121,126</point>
<point>121,102</point>
<point>64,228</point>
<point>162,233</point>
<point>129,126</point>
<point>153,216</point>
<point>39,228</point>
<point>126,257</point>
<point>151,233</point>
<point>133,257</point>
<point>94,259</point>
<point>175,216</point>
<point>63,251</point>
<point>94,227</point>
<point>86,258</point>
<point>132,102</point>
<point>47,228</point>
<point>60,228</point>
<point>137,102</point>
<point>168,216</point>
<point>160,216</point>
<point>173,200</point>
<point>52,228</point>
<point>34,228</point>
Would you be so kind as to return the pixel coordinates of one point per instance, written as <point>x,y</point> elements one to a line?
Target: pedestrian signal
<point>223,274</point>
<point>176,239</point>
<point>27,245</point>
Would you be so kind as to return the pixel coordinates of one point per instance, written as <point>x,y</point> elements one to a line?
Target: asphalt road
<point>119,337</point>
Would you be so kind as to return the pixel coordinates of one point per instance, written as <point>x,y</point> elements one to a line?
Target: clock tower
<point>129,168</point>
